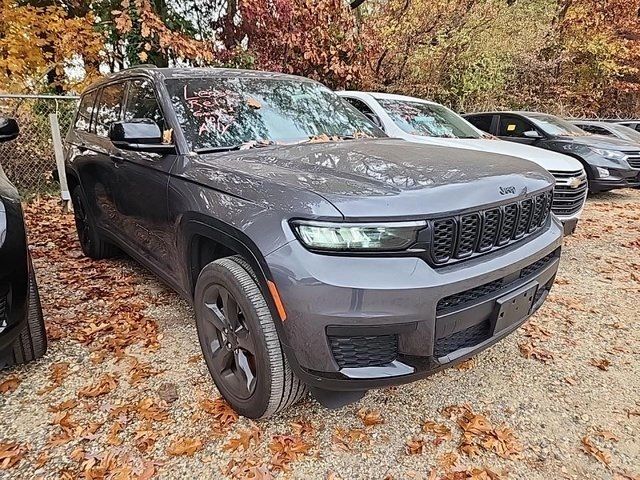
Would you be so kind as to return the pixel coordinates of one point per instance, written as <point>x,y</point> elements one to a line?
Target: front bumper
<point>620,178</point>
<point>355,323</point>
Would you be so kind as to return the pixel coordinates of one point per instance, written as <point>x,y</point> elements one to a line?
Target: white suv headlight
<point>335,236</point>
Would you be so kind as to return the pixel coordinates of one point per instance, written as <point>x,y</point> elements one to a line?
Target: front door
<point>143,179</point>
<point>516,128</point>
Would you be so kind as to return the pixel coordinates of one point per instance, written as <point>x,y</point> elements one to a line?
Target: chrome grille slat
<point>569,193</point>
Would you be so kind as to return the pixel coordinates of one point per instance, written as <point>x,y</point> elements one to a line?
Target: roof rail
<point>140,65</point>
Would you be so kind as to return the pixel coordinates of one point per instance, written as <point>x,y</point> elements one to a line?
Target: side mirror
<point>9,129</point>
<point>532,134</point>
<point>139,134</point>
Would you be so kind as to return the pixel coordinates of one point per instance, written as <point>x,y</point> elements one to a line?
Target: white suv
<point>422,121</point>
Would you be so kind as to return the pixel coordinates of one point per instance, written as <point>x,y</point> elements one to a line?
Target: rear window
<point>85,110</point>
<point>220,112</point>
<point>483,122</point>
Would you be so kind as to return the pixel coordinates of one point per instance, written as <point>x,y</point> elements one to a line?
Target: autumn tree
<point>38,41</point>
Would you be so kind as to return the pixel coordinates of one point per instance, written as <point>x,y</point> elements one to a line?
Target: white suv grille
<point>570,192</point>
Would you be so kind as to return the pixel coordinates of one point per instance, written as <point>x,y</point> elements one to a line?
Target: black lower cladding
<point>459,300</point>
<point>468,337</point>
<point>364,351</point>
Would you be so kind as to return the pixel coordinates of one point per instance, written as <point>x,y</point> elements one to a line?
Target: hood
<point>600,141</point>
<point>545,158</point>
<point>372,178</point>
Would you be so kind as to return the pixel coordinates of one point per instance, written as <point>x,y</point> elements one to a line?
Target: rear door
<point>143,179</point>
<point>97,169</point>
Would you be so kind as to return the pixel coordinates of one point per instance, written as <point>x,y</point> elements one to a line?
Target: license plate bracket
<point>514,306</point>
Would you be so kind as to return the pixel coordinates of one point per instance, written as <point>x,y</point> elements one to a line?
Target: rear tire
<point>240,343</point>
<point>91,242</point>
<point>32,341</point>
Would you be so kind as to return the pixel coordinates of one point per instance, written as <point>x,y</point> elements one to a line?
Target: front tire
<point>240,343</point>
<point>32,341</point>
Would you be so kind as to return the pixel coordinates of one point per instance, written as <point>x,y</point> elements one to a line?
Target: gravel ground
<point>124,393</point>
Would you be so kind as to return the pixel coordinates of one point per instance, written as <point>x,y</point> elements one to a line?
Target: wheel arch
<point>206,239</point>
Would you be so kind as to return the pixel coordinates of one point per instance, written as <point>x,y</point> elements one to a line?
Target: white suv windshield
<point>226,111</point>
<point>429,120</point>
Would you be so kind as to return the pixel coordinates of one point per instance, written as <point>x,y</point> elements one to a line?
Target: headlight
<point>609,154</point>
<point>336,236</point>
<point>603,172</point>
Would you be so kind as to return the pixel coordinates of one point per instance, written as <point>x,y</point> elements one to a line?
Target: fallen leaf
<point>9,384</point>
<point>107,383</point>
<point>531,350</point>
<point>607,435</point>
<point>370,417</point>
<point>244,440</point>
<point>253,103</point>
<point>286,449</point>
<point>415,446</point>
<point>10,454</point>
<point>602,363</point>
<point>442,432</point>
<point>594,451</point>
<point>184,446</point>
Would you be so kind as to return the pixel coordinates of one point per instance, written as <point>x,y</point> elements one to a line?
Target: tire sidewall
<point>78,198</point>
<point>215,273</point>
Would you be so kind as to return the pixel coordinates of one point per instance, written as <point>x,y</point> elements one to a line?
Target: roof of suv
<point>512,112</point>
<point>388,96</point>
<point>192,72</point>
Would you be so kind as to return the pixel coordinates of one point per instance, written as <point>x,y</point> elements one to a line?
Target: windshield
<point>226,112</point>
<point>429,120</point>
<point>556,126</point>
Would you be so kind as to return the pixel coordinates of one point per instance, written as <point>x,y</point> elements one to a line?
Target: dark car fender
<point>194,225</point>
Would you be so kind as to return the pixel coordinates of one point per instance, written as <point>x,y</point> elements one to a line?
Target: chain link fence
<point>29,161</point>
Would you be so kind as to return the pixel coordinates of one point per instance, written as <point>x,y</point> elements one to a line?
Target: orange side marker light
<point>277,300</point>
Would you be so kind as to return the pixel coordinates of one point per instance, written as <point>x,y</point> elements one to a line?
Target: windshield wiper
<point>225,148</point>
<point>241,146</point>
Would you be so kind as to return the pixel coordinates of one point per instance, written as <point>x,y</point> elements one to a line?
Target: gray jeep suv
<point>318,254</point>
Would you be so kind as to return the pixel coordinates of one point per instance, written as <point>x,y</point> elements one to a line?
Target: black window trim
<point>133,78</point>
<point>93,107</point>
<point>94,120</point>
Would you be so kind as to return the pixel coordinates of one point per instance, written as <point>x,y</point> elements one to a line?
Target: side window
<point>85,110</point>
<point>109,107</point>
<point>595,129</point>
<point>511,126</point>
<point>482,122</point>
<point>142,103</point>
<point>365,109</point>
